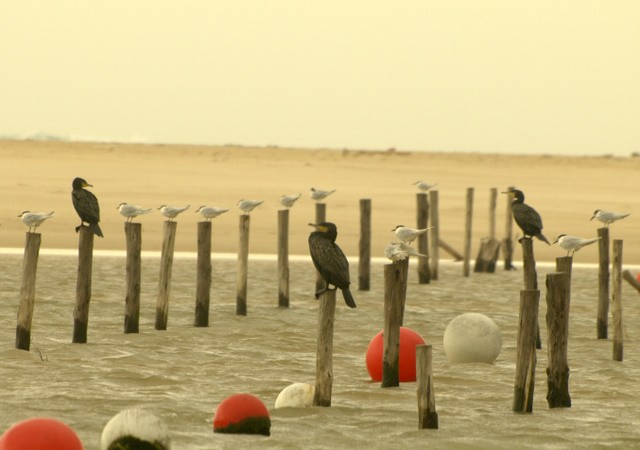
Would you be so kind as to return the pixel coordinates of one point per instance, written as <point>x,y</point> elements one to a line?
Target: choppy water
<point>183,373</point>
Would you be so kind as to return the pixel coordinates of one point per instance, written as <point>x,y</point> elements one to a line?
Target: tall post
<point>466,265</point>
<point>603,283</point>
<point>616,300</point>
<point>427,415</point>
<point>493,202</point>
<point>324,353</point>
<point>83,285</point>
<point>507,242</point>
<point>283,258</point>
<point>133,236</point>
<point>395,288</point>
<point>27,290</point>
<point>321,216</point>
<point>166,264</point>
<point>434,233</point>
<point>422,221</point>
<point>530,275</point>
<point>364,262</point>
<point>557,335</point>
<point>526,351</point>
<point>203,281</point>
<point>243,264</point>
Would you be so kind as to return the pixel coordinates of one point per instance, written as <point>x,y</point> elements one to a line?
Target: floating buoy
<point>242,414</point>
<point>638,277</point>
<point>472,337</point>
<point>296,395</point>
<point>40,434</point>
<point>135,428</point>
<point>407,355</point>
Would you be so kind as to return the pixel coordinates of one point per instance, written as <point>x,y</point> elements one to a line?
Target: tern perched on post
<point>171,212</point>
<point>34,219</point>
<point>408,235</point>
<point>423,186</point>
<point>573,243</point>
<point>210,212</point>
<point>249,205</point>
<point>131,211</point>
<point>608,217</point>
<point>288,200</point>
<point>319,194</point>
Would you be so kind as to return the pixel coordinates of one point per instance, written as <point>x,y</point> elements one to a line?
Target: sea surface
<point>183,373</point>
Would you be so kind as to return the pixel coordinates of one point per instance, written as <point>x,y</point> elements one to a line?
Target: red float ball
<point>242,414</point>
<point>638,277</point>
<point>40,434</point>
<point>409,339</point>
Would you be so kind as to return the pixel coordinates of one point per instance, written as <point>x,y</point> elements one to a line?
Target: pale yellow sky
<point>495,76</point>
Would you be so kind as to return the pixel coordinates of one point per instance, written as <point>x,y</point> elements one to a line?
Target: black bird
<point>86,205</point>
<point>525,216</point>
<point>330,260</point>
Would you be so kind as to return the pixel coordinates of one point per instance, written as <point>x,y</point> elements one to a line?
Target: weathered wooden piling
<point>203,280</point>
<point>616,300</point>
<point>395,291</point>
<point>526,358</point>
<point>321,216</point>
<point>507,241</point>
<point>603,283</point>
<point>557,336</point>
<point>243,265</point>
<point>133,236</point>
<point>283,258</point>
<point>449,249</point>
<point>422,221</point>
<point>166,264</point>
<point>427,415</point>
<point>434,233</point>
<point>324,353</point>
<point>530,275</point>
<point>27,290</point>
<point>83,285</point>
<point>468,218</point>
<point>364,261</point>
<point>490,246</point>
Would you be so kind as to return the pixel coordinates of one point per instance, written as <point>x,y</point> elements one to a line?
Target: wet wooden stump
<point>395,291</point>
<point>530,275</point>
<point>283,258</point>
<point>27,291</point>
<point>166,265</point>
<point>324,351</point>
<point>557,335</point>
<point>83,285</point>
<point>133,236</point>
<point>603,284</point>
<point>427,415</point>
<point>466,265</point>
<point>526,357</point>
<point>422,221</point>
<point>364,261</point>
<point>203,280</point>
<point>434,234</point>
<point>243,265</point>
<point>616,301</point>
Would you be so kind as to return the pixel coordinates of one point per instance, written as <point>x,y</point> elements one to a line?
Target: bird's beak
<point>592,218</point>
<point>313,225</point>
<point>555,241</point>
<point>85,184</point>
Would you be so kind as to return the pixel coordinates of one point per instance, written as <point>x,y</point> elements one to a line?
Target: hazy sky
<point>548,76</point>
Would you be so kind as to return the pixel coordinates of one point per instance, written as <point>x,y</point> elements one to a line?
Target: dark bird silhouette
<point>525,216</point>
<point>330,260</point>
<point>86,205</point>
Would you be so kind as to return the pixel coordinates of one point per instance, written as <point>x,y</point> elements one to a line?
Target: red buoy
<point>242,414</point>
<point>638,277</point>
<point>407,355</point>
<point>40,434</point>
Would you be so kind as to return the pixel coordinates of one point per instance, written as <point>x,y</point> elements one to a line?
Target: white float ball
<point>296,395</point>
<point>472,337</point>
<point>138,424</point>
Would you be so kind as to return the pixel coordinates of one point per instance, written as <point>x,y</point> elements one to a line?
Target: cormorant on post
<point>86,205</point>
<point>525,216</point>
<point>330,260</point>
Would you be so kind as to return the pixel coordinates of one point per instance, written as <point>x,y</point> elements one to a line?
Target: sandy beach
<point>564,190</point>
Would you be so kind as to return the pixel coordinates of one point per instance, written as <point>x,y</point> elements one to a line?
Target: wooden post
<point>422,221</point>
<point>203,281</point>
<point>395,289</point>
<point>166,264</point>
<point>321,216</point>
<point>27,290</point>
<point>133,236</point>
<point>526,351</point>
<point>324,354</point>
<point>530,275</point>
<point>283,258</point>
<point>616,300</point>
<point>557,335</point>
<point>467,233</point>
<point>364,263</point>
<point>507,242</point>
<point>243,264</point>
<point>449,249</point>
<point>489,247</point>
<point>83,285</point>
<point>603,283</point>
<point>434,233</point>
<point>427,415</point>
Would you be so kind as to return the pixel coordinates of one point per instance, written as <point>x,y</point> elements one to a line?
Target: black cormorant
<point>86,205</point>
<point>330,260</point>
<point>525,216</point>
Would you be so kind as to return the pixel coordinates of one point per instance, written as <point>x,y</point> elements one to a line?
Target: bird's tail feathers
<point>348,298</point>
<point>542,238</point>
<point>96,229</point>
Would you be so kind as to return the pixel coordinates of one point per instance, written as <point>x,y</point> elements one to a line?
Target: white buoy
<point>135,426</point>
<point>472,337</point>
<point>296,395</point>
